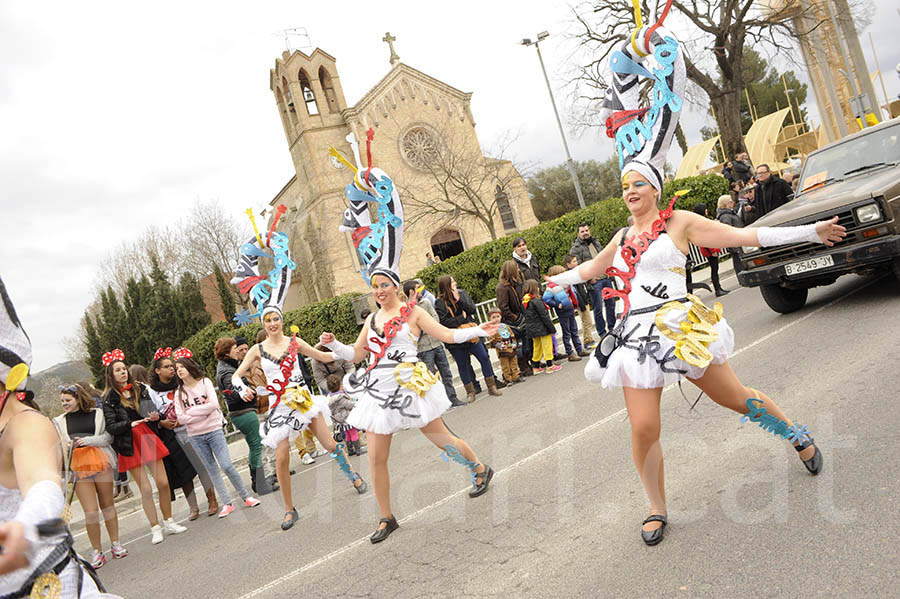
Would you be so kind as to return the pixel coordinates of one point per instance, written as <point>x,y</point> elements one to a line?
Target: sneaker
<point>318,453</point>
<point>590,345</point>
<point>584,353</point>
<point>172,528</point>
<point>538,370</point>
<point>98,560</point>
<point>226,509</point>
<point>118,550</point>
<point>554,368</point>
<point>157,534</point>
<point>307,459</point>
<point>574,358</point>
<point>251,502</point>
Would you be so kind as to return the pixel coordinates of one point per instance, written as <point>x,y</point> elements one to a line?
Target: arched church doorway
<point>446,243</point>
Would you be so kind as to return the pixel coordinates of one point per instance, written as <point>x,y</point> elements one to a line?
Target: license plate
<point>796,268</point>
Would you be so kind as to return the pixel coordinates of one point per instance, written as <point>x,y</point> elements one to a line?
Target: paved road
<point>563,514</point>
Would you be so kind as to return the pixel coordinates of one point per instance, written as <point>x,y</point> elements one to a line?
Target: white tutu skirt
<point>283,422</point>
<point>644,358</point>
<point>384,407</point>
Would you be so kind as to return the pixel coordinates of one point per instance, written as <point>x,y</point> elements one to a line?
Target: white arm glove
<point>342,351</point>
<point>238,385</point>
<point>769,236</point>
<point>467,334</point>
<point>570,277</point>
<point>44,501</point>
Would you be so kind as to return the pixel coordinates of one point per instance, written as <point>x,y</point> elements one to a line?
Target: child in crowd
<point>340,405</point>
<point>584,303</point>
<point>504,341</point>
<point>539,327</point>
<point>564,300</point>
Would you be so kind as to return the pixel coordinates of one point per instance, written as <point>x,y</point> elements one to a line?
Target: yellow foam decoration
<point>340,157</point>
<point>16,376</point>
<point>249,213</point>
<point>298,399</point>
<point>637,13</point>
<point>682,192</point>
<point>420,379</point>
<point>46,586</point>
<point>295,329</point>
<point>695,333</point>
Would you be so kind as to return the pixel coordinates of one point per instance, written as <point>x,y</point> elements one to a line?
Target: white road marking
<point>549,448</point>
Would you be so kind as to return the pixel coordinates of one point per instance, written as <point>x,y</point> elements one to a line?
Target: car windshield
<point>854,156</point>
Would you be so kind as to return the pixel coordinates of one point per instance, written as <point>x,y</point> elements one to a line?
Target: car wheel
<point>782,299</point>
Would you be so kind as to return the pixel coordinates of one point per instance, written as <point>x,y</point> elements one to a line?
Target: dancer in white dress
<point>665,334</point>
<point>292,407</point>
<point>395,390</point>
<point>37,557</point>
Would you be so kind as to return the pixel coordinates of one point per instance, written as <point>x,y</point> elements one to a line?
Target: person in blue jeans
<point>456,310</point>
<point>585,247</point>
<point>564,301</point>
<point>429,349</point>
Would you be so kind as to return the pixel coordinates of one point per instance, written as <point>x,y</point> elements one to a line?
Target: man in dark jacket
<point>585,247</point>
<point>772,191</point>
<point>526,261</point>
<point>741,168</point>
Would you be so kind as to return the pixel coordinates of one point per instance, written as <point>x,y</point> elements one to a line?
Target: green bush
<point>335,315</point>
<point>477,270</point>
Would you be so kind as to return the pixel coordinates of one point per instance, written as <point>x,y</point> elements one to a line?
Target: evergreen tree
<point>226,297</point>
<point>191,305</point>
<point>94,351</point>
<point>161,326</point>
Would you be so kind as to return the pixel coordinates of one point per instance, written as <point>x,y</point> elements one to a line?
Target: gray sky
<point>116,115</point>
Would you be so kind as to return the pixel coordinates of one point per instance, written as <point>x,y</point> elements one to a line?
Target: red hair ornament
<point>163,353</point>
<point>116,355</point>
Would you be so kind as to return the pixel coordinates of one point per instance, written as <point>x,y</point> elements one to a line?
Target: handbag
<point>465,325</point>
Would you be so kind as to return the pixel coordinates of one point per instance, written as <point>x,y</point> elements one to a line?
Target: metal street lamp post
<point>569,162</point>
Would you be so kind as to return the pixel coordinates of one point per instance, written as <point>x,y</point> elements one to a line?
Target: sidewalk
<point>240,451</point>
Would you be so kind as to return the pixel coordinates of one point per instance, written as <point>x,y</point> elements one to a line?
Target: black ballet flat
<point>288,524</point>
<point>480,488</point>
<point>363,487</point>
<point>383,533</point>
<point>653,537</point>
<point>813,464</point>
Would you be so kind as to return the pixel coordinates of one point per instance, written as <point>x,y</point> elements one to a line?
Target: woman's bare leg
<point>283,473</point>
<point>436,432</point>
<point>104,485</point>
<point>646,451</point>
<point>162,488</point>
<point>140,477</point>
<point>723,387</point>
<point>87,496</point>
<point>320,430</point>
<point>379,451</point>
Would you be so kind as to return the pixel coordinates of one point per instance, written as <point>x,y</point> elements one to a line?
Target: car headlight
<point>868,213</point>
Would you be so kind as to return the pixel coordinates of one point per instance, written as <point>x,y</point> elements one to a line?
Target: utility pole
<point>570,164</point>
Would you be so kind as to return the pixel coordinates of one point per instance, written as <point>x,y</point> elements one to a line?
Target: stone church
<point>412,114</point>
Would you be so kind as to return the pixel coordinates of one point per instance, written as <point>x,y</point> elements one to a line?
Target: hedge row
<point>477,270</point>
<point>334,314</point>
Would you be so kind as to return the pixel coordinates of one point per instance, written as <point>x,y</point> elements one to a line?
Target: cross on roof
<point>390,39</point>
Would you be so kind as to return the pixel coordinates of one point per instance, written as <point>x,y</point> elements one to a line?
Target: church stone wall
<point>405,98</point>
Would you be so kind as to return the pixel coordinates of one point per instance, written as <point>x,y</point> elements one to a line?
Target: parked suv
<point>856,178</point>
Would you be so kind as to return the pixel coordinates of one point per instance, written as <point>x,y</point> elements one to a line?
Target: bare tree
<point>458,179</point>
<point>713,57</point>
<point>211,237</point>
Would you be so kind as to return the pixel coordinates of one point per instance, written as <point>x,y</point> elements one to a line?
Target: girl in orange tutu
<point>83,427</point>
